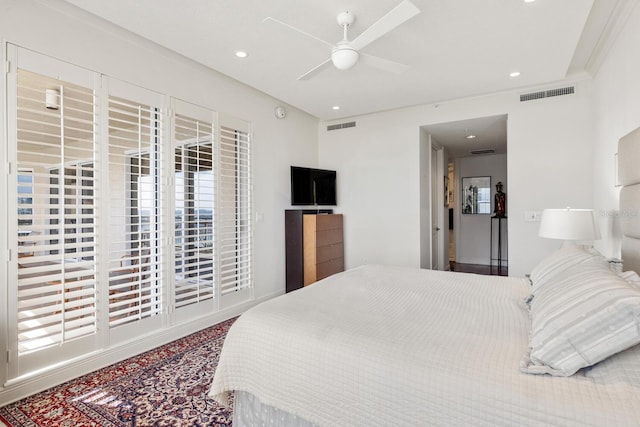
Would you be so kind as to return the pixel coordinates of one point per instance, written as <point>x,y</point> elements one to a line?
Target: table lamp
<point>570,225</point>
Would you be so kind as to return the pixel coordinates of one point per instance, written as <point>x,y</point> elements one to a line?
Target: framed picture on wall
<point>446,192</point>
<point>476,191</point>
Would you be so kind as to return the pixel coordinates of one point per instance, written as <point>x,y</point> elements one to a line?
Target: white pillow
<point>631,277</point>
<point>623,367</point>
<point>558,261</point>
<point>580,319</point>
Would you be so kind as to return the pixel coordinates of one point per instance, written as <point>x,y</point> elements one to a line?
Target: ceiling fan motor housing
<point>346,18</point>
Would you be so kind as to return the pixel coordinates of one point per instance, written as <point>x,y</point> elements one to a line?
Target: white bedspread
<point>390,346</point>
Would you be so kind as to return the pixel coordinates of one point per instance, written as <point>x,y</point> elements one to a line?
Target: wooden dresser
<point>313,246</point>
<point>322,246</point>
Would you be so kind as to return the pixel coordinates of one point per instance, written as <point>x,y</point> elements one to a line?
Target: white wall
<point>58,29</point>
<point>378,187</point>
<point>549,165</point>
<point>473,232</point>
<point>617,112</point>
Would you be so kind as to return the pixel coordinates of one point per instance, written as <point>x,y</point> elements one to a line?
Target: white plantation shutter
<point>116,231</point>
<point>135,211</point>
<point>234,210</point>
<point>56,284</point>
<point>194,159</point>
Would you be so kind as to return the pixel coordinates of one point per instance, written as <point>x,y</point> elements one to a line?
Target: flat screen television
<point>313,187</point>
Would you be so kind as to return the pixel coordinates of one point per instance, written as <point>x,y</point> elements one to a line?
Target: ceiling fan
<point>345,53</point>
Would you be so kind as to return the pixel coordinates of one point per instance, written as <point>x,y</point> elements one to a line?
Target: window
<point>119,230</point>
<point>25,212</point>
<point>55,216</point>
<point>194,210</point>
<point>78,211</point>
<point>25,197</point>
<point>234,211</point>
<point>135,272</point>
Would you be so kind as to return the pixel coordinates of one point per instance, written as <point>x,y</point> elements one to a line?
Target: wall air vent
<point>342,126</point>
<point>547,93</point>
<point>480,152</point>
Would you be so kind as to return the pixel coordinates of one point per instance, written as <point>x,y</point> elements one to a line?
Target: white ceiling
<point>455,48</point>
<point>490,134</point>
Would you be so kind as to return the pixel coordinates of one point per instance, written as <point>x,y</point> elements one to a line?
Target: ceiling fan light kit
<point>344,57</point>
<point>345,53</point>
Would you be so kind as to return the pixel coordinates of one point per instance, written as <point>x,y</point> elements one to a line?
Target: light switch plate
<point>532,216</point>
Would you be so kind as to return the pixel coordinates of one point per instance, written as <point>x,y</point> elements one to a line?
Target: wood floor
<point>473,268</point>
<point>479,269</point>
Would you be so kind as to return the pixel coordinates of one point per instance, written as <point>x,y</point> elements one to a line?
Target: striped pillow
<point>631,277</point>
<point>584,317</point>
<point>554,264</point>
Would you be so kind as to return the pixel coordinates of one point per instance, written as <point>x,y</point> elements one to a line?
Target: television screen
<point>313,186</point>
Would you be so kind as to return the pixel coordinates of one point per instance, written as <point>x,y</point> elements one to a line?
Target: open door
<point>433,232</point>
<point>439,212</point>
<point>435,217</point>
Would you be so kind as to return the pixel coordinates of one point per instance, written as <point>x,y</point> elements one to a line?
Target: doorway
<point>473,148</point>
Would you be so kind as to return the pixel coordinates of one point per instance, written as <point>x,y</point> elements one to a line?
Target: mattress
<point>382,345</point>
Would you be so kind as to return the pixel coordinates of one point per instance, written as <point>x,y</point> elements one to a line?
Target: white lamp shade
<point>344,57</point>
<point>569,224</point>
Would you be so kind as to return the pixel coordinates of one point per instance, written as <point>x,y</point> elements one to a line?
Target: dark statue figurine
<point>500,201</point>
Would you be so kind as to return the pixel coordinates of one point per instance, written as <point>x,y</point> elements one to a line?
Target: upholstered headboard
<point>629,178</point>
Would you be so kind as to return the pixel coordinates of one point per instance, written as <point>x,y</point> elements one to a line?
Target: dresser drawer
<point>328,237</point>
<point>329,252</point>
<point>326,269</point>
<point>328,222</point>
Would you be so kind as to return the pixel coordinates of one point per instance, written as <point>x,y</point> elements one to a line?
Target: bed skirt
<point>248,411</point>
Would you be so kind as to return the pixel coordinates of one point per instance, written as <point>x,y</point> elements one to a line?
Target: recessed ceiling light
<point>529,1</point>
<point>514,74</point>
<point>241,54</point>
<point>470,136</point>
<point>336,107</point>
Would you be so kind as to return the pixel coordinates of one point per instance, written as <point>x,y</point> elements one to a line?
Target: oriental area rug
<point>166,386</point>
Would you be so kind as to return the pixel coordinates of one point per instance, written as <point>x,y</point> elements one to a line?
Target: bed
<point>385,345</point>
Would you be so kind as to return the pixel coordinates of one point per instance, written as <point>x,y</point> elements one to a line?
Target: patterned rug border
<point>13,416</point>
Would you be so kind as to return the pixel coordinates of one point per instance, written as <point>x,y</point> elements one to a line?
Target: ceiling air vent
<point>547,93</point>
<point>342,126</point>
<point>485,151</point>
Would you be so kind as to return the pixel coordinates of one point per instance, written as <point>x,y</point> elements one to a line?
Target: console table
<point>498,242</point>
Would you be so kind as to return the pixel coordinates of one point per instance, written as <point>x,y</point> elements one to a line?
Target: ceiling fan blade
<point>383,64</point>
<point>291,27</point>
<point>316,70</point>
<point>395,17</point>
